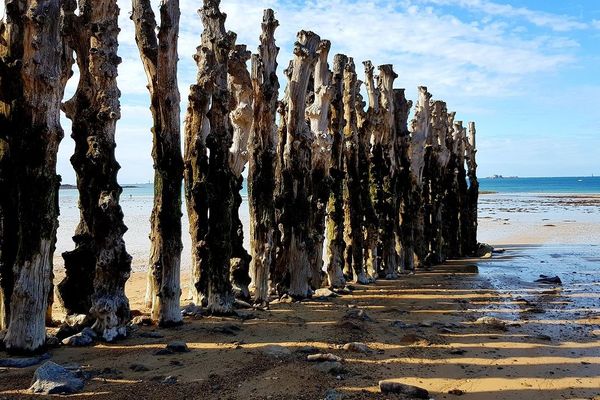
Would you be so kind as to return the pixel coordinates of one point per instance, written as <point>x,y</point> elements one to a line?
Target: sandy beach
<point>535,341</point>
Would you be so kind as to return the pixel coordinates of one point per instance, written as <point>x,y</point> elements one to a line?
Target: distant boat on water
<point>502,177</point>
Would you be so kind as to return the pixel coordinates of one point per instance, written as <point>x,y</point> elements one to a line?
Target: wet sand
<point>423,329</point>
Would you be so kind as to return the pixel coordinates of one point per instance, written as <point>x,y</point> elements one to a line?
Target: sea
<point>574,184</point>
<point>501,198</point>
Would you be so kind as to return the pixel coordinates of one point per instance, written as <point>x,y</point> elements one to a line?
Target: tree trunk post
<point>38,68</point>
<point>210,182</point>
<point>440,129</point>
<point>403,229</point>
<point>240,88</point>
<point>261,169</point>
<point>318,115</point>
<point>353,220</point>
<point>94,110</point>
<point>335,207</point>
<point>296,183</point>
<point>420,132</point>
<point>473,191</point>
<point>383,162</point>
<point>159,56</point>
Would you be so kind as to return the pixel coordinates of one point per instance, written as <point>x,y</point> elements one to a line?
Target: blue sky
<point>525,71</point>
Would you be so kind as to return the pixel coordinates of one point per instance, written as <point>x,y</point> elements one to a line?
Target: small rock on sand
<point>324,292</point>
<point>391,387</point>
<point>142,320</point>
<point>554,280</point>
<point>276,351</point>
<point>491,322</point>
<point>84,338</point>
<point>178,347</point>
<point>170,380</point>
<point>52,378</point>
<point>330,367</point>
<point>357,347</point>
<point>324,357</point>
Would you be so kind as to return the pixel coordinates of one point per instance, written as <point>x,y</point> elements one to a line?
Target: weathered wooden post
<point>420,132</point>
<point>473,191</point>
<point>296,182</point>
<point>210,183</point>
<point>34,68</point>
<point>241,117</point>
<point>159,56</point>
<point>383,162</point>
<point>335,207</point>
<point>353,220</point>
<point>262,148</point>
<point>404,229</point>
<point>318,115</point>
<point>100,260</point>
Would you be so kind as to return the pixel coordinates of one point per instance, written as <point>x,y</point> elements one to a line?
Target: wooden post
<point>241,116</point>
<point>159,56</point>
<point>100,253</point>
<point>420,132</point>
<point>335,207</point>
<point>296,182</point>
<point>318,115</point>
<point>404,234</point>
<point>210,182</point>
<point>34,68</point>
<point>261,170</point>
<point>473,192</point>
<point>353,220</point>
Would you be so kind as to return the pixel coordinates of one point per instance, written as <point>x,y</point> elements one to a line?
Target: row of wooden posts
<point>338,190</point>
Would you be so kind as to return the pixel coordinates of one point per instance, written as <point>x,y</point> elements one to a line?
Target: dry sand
<point>422,330</point>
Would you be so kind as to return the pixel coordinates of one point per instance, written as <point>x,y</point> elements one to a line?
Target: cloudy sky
<point>525,71</point>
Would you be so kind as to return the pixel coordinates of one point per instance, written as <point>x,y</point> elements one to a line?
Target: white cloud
<point>560,23</point>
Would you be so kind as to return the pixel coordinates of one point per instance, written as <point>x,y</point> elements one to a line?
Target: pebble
<point>391,387</point>
<point>324,357</point>
<point>276,351</point>
<point>178,347</point>
<point>52,378</point>
<point>330,367</point>
<point>357,347</point>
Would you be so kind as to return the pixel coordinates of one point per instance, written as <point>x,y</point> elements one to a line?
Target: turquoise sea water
<point>585,184</point>
<point>501,185</point>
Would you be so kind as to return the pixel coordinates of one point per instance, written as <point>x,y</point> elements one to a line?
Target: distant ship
<point>502,177</point>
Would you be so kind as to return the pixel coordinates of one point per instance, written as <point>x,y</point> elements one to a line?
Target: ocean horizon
<point>549,185</point>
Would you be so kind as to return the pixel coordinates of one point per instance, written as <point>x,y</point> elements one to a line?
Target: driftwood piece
<point>261,169</point>
<point>296,185</point>
<point>159,56</point>
<point>241,117</point>
<point>335,207</point>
